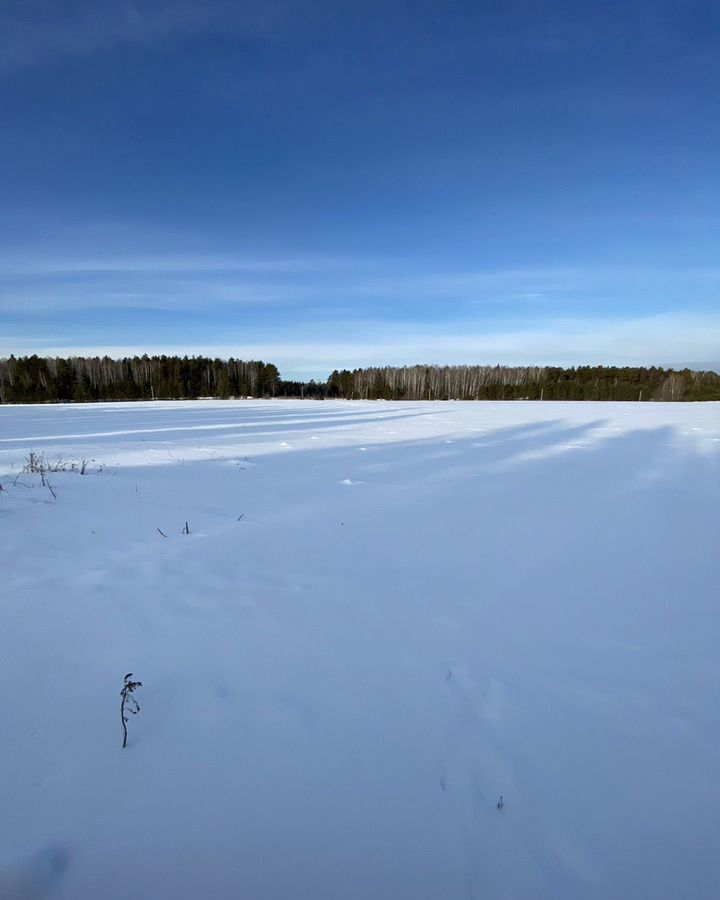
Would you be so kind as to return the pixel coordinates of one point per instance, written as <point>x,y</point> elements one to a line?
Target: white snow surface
<point>385,616</point>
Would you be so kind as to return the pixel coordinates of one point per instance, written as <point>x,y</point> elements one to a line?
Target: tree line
<point>523,383</point>
<point>35,379</point>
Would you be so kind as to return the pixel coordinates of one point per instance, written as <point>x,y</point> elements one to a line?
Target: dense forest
<point>34,379</point>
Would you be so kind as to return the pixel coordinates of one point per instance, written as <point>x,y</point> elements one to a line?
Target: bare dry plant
<point>128,705</point>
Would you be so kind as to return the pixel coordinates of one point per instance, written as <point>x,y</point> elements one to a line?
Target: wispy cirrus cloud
<point>37,31</point>
<point>158,263</point>
<point>33,32</point>
<point>341,285</point>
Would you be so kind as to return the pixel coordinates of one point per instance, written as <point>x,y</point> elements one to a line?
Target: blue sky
<point>329,184</point>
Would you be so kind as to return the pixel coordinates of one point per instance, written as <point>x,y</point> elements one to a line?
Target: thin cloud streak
<point>173,281</point>
<point>38,32</point>
<point>35,33</point>
<point>62,267</point>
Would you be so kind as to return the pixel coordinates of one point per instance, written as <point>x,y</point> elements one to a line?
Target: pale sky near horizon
<point>328,184</point>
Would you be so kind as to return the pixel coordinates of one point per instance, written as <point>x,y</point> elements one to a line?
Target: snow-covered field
<point>385,616</point>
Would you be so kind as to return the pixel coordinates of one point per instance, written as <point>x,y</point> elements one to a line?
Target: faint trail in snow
<point>35,877</point>
<point>473,774</point>
<point>512,850</point>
